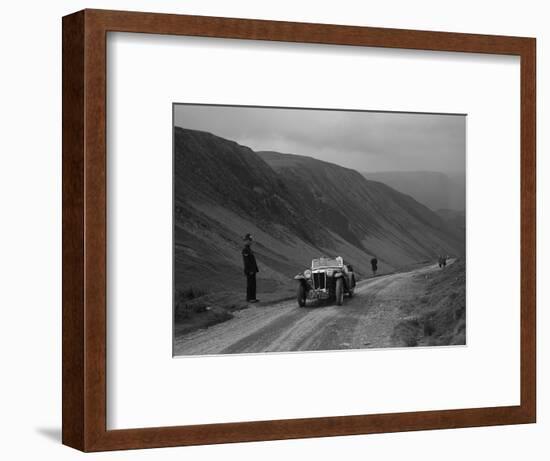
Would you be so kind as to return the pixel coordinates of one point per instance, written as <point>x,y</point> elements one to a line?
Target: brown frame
<point>84,229</point>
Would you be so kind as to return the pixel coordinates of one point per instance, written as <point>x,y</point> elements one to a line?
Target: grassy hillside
<point>438,316</point>
<point>455,220</point>
<point>368,214</point>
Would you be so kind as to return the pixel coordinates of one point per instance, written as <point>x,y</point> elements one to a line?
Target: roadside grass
<point>437,317</point>
<point>196,308</point>
<point>191,293</point>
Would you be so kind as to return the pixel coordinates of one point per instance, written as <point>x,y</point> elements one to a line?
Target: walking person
<point>250,269</point>
<point>374,265</point>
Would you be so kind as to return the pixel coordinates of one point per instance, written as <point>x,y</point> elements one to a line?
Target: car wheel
<point>301,295</point>
<point>339,292</point>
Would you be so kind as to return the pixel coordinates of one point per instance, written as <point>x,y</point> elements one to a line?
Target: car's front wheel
<point>339,292</point>
<point>301,295</point>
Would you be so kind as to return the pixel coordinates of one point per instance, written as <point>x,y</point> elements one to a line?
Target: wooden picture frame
<point>85,245</point>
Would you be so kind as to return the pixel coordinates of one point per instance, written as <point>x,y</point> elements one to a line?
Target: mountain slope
<point>434,189</point>
<point>456,220</point>
<point>368,214</point>
<point>297,208</point>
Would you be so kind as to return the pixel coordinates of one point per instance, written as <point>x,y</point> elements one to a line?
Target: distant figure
<point>250,269</point>
<point>374,265</point>
<point>442,261</point>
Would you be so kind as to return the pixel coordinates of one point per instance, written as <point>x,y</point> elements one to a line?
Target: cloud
<point>365,141</point>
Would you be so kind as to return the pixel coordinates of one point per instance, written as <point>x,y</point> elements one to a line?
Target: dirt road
<point>364,321</point>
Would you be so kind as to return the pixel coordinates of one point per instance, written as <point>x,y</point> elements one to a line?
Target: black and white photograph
<point>298,229</point>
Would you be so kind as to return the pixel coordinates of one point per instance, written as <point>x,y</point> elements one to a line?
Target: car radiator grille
<point>320,281</point>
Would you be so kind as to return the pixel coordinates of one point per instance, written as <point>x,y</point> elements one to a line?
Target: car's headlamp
<point>307,274</point>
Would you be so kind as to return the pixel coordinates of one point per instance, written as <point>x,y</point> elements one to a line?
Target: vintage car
<point>328,278</point>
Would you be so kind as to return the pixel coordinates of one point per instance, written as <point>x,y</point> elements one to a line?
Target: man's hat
<point>248,238</point>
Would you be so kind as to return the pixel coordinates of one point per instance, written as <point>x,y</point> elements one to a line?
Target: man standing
<point>250,269</point>
<point>374,265</point>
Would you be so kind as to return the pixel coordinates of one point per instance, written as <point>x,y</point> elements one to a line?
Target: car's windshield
<point>327,262</point>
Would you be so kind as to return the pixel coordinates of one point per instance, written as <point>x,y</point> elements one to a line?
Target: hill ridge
<point>296,206</point>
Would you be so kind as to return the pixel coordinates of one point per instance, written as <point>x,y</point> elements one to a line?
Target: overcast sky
<point>365,141</point>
